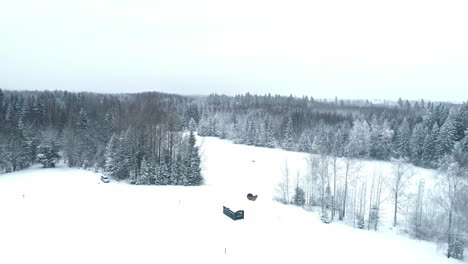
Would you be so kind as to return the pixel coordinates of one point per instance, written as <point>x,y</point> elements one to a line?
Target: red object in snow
<point>252,197</point>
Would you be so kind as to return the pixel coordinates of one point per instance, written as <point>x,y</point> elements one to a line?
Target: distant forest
<point>129,136</point>
<point>419,132</point>
<point>148,137</point>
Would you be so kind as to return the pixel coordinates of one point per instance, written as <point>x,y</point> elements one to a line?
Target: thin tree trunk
<point>395,210</point>
<point>370,202</point>
<point>343,210</point>
<point>334,187</point>
<point>449,231</point>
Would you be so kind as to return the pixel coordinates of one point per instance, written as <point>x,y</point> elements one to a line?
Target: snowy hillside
<point>65,215</point>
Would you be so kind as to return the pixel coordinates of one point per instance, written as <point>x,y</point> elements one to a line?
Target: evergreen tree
<point>147,172</point>
<point>305,142</point>
<point>288,140</point>
<point>112,157</point>
<point>194,176</point>
<point>30,140</point>
<point>182,173</point>
<point>386,141</point>
<point>110,124</point>
<point>417,143</point>
<point>359,140</point>
<point>204,128</point>
<point>447,136</point>
<point>361,224</point>
<point>375,136</point>
<point>38,112</point>
<point>251,133</point>
<point>373,217</point>
<point>213,127</point>
<point>321,142</point>
<point>192,125</point>
<point>85,147</point>
<point>47,155</point>
<point>268,134</point>
<point>457,247</point>
<point>402,143</point>
<point>299,196</point>
<point>429,154</point>
<point>163,175</point>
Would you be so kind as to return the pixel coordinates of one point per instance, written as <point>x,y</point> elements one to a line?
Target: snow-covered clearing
<point>70,216</point>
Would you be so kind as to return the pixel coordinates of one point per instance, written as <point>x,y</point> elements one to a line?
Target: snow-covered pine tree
<point>203,127</point>
<point>359,140</point>
<point>288,140</point>
<point>47,155</point>
<point>361,224</point>
<point>457,248</point>
<point>85,148</point>
<point>222,130</point>
<point>164,174</point>
<point>251,132</point>
<point>194,176</point>
<point>447,135</point>
<point>30,140</point>
<point>111,155</point>
<point>321,140</point>
<point>269,134</point>
<point>305,142</point>
<point>192,125</point>
<point>146,172</point>
<point>386,141</point>
<point>111,123</point>
<point>402,142</point>
<point>38,112</point>
<point>213,127</point>
<point>417,142</point>
<point>236,133</point>
<point>182,173</point>
<point>373,220</point>
<point>299,196</point>
<point>429,155</point>
<point>117,160</point>
<point>375,135</point>
<point>127,154</point>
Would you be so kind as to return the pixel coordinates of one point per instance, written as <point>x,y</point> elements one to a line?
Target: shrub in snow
<point>299,196</point>
<point>361,223</point>
<point>455,249</point>
<point>47,156</point>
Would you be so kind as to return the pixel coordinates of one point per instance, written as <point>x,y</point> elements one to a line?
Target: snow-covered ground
<point>65,215</point>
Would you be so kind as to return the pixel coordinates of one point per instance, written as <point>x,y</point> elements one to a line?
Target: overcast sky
<point>322,48</point>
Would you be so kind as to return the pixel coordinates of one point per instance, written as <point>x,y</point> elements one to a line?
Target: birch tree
<point>397,183</point>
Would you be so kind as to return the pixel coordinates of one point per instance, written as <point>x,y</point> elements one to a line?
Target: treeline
<point>130,136</point>
<point>419,132</point>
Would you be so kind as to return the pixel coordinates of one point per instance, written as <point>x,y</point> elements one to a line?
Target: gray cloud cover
<point>350,49</point>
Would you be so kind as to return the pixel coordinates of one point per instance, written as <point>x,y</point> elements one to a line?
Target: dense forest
<point>417,132</point>
<point>130,136</point>
<point>146,130</point>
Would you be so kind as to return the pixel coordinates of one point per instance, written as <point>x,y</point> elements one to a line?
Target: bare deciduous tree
<point>284,185</point>
<point>375,199</point>
<point>351,166</point>
<point>397,184</point>
<point>454,199</point>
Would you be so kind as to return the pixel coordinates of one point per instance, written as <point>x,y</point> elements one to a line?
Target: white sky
<point>322,48</point>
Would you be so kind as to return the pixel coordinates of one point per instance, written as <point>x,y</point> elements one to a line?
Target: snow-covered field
<point>65,215</point>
